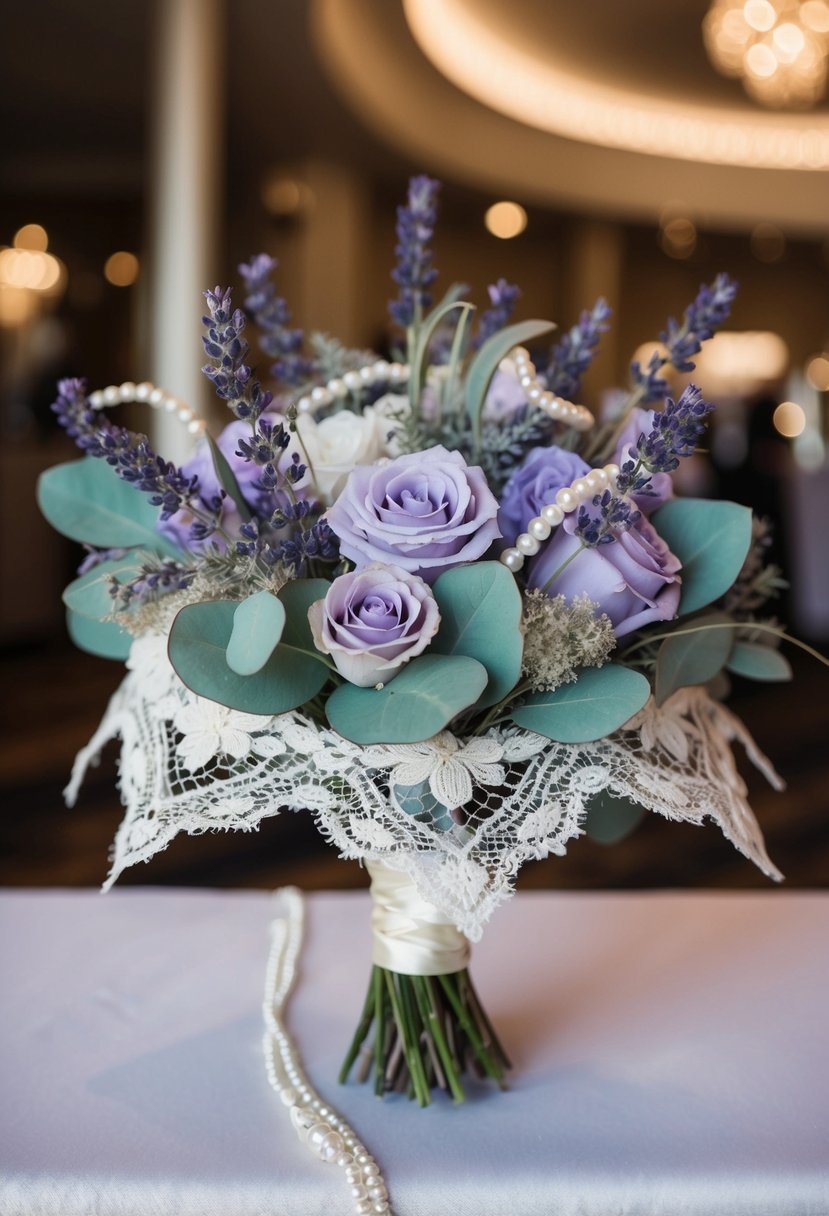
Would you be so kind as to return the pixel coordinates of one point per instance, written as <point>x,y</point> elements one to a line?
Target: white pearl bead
<point>344,1159</point>
<point>547,400</point>
<point>184,414</point>
<point>539,528</point>
<point>111,394</point>
<point>353,1173</point>
<point>337,387</point>
<point>367,375</point>
<point>364,1206</point>
<point>303,405</point>
<point>397,372</point>
<point>196,426</point>
<point>512,559</point>
<point>359,1191</point>
<point>580,488</point>
<point>157,397</point>
<point>566,499</point>
<point>143,390</point>
<point>526,380</point>
<point>331,1146</point>
<point>552,514</point>
<point>527,545</point>
<point>352,380</point>
<point>96,399</point>
<point>520,354</point>
<point>127,391</point>
<point>593,482</point>
<point>170,405</point>
<point>534,394</point>
<point>372,1170</point>
<point>288,1095</point>
<point>380,1207</point>
<point>321,396</point>
<point>380,369</point>
<point>378,1191</point>
<point>612,471</point>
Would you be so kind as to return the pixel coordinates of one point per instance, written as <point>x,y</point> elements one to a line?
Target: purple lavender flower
<point>571,357</point>
<point>702,318</point>
<point>272,315</point>
<point>607,515</point>
<point>503,297</point>
<point>674,433</point>
<point>414,272</point>
<point>226,349</point>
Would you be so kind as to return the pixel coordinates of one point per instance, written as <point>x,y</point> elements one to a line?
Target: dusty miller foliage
<point>560,638</point>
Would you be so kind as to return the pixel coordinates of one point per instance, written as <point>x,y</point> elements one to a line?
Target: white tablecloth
<point>671,1056</point>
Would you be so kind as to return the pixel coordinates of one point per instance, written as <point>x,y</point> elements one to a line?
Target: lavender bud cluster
<point>503,297</point>
<point>610,514</point>
<point>414,272</point>
<point>226,349</point>
<point>674,434</point>
<point>272,315</point>
<point>151,583</point>
<point>571,357</point>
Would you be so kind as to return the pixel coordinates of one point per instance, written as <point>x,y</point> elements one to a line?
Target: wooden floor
<point>53,697</point>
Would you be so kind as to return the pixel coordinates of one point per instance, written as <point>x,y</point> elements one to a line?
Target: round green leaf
<point>257,627</point>
<point>418,703</point>
<point>103,638</point>
<point>599,702</point>
<point>88,502</point>
<point>198,645</point>
<point>480,611</point>
<point>711,539</point>
<point>757,662</point>
<point>693,657</point>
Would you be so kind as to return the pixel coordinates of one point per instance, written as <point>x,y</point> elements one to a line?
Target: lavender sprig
<point>571,357</point>
<point>702,318</point>
<point>674,434</point>
<point>503,297</point>
<point>272,315</point>
<point>133,460</point>
<point>610,514</point>
<point>152,582</point>
<point>414,272</point>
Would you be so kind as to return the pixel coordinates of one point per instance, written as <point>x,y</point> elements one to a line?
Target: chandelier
<point>779,49</point>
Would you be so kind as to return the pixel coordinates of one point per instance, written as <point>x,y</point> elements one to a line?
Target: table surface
<point>671,1056</point>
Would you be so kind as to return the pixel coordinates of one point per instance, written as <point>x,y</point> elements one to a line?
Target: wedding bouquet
<point>430,600</point>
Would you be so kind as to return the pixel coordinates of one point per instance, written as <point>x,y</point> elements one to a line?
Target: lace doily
<point>458,815</point>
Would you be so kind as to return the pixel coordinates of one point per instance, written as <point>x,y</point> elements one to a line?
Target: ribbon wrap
<point>410,935</point>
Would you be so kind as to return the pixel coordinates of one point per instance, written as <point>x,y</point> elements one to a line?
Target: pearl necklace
<point>327,1134</point>
<point>148,394</point>
<point>567,500</point>
<point>560,410</point>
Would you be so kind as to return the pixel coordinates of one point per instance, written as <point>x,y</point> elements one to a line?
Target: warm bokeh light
<point>759,14</point>
<point>30,269</point>
<point>17,306</point>
<point>505,220</point>
<point>742,362</point>
<point>789,419</point>
<point>283,196</point>
<point>817,373</point>
<point>31,236</point>
<point>678,237</point>
<point>815,16</point>
<point>121,268</point>
<point>779,48</point>
<point>768,242</point>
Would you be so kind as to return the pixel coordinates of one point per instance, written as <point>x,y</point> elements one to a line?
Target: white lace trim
<point>190,765</point>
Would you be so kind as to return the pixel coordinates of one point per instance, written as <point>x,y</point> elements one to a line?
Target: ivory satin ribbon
<point>410,935</point>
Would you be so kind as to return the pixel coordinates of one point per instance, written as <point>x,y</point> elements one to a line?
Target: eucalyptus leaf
<point>197,647</point>
<point>757,662</point>
<point>297,596</point>
<point>693,658</point>
<point>103,638</point>
<point>257,627</point>
<point>89,594</point>
<point>419,802</point>
<point>227,478</point>
<point>485,364</point>
<point>711,539</point>
<point>87,501</point>
<point>611,818</point>
<point>418,703</point>
<point>599,702</point>
<point>480,617</point>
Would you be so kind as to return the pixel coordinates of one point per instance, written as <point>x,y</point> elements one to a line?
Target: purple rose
<point>534,484</point>
<point>374,620</point>
<point>635,580</point>
<point>639,422</point>
<point>425,512</point>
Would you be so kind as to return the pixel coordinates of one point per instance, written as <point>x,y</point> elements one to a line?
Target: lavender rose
<point>426,512</point>
<point>635,579</point>
<point>374,620</point>
<point>640,422</point>
<point>534,484</point>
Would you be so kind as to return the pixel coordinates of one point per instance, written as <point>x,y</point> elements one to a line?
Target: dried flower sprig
<point>674,434</point>
<point>414,272</point>
<point>571,357</point>
<point>271,313</point>
<point>561,637</point>
<point>503,297</point>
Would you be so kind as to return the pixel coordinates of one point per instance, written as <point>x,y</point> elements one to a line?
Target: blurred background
<point>630,151</point>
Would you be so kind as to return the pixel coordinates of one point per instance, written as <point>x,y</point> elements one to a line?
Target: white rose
<point>336,445</point>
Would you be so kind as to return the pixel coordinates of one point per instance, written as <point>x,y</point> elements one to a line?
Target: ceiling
<point>347,79</point>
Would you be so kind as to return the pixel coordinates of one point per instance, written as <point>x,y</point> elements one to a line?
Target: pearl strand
<point>148,394</point>
<point>327,1134</point>
<point>567,500</point>
<point>576,416</point>
<point>353,382</point>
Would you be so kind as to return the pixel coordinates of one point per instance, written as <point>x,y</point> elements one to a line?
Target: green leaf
<point>757,662</point>
<point>485,364</point>
<point>88,502</point>
<point>89,595</point>
<point>198,645</point>
<point>692,658</point>
<point>416,704</point>
<point>419,801</point>
<point>257,627</point>
<point>611,818</point>
<point>711,539</point>
<point>599,702</point>
<point>427,329</point>
<point>227,478</point>
<point>103,638</point>
<point>480,611</point>
<point>298,595</point>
